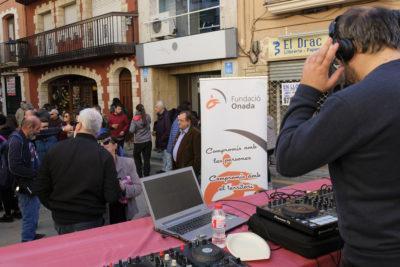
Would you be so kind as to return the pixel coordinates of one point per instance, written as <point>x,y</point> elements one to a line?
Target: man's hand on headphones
<point>316,68</point>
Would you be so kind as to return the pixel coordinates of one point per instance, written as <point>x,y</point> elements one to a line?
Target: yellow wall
<point>257,24</point>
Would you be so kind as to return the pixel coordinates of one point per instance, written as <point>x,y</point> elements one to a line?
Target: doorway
<point>72,93</point>
<point>189,87</point>
<point>125,90</point>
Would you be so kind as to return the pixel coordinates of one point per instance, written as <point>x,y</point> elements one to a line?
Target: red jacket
<point>121,120</point>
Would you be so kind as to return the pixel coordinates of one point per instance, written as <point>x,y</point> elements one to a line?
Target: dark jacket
<point>55,123</point>
<point>356,132</point>
<point>77,178</point>
<point>22,162</point>
<point>189,152</point>
<point>162,128</point>
<point>6,131</point>
<point>45,140</point>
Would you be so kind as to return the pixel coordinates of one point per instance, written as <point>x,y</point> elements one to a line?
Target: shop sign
<point>288,91</point>
<point>300,46</point>
<point>10,81</point>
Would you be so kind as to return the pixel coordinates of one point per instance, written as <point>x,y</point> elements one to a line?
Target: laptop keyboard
<point>192,224</point>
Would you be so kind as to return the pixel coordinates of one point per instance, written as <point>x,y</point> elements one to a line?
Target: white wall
<point>228,16</point>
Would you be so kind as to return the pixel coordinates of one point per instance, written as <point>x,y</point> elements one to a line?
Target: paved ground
<point>10,232</point>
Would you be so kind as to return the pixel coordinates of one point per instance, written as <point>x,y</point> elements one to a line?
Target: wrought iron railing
<point>25,2</point>
<point>109,34</point>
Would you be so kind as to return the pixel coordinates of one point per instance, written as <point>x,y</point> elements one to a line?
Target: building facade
<point>278,35</point>
<point>182,41</point>
<point>79,53</point>
<point>13,80</point>
<point>179,43</point>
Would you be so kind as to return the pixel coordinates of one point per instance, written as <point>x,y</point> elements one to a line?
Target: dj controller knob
<point>167,257</point>
<point>173,263</point>
<point>197,242</point>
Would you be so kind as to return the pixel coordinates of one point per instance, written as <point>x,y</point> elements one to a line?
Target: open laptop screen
<point>172,193</point>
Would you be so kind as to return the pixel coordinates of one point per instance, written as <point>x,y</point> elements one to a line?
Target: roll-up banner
<point>233,137</point>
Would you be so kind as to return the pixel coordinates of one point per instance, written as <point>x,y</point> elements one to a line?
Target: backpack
<point>5,175</point>
<point>3,161</point>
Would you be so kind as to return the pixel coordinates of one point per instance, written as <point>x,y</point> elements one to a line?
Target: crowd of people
<point>77,166</point>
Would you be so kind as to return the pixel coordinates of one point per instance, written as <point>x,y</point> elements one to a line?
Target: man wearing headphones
<point>356,132</point>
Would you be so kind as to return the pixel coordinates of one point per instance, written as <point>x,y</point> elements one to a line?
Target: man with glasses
<point>78,177</point>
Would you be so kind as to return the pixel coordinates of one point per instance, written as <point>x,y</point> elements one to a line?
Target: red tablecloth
<point>101,246</point>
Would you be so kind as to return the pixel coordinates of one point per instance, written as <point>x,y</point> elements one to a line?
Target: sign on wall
<point>288,91</point>
<point>233,137</point>
<point>10,82</point>
<point>301,46</point>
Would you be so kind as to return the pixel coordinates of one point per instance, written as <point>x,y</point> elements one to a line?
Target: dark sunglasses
<point>106,142</point>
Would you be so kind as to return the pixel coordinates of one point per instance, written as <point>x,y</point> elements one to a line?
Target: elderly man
<point>162,128</point>
<point>23,165</point>
<point>55,120</point>
<point>78,177</point>
<point>186,151</point>
<point>19,114</point>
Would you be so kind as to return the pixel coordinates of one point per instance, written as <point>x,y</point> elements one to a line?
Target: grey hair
<point>370,29</point>
<point>91,120</point>
<point>55,111</point>
<point>160,104</point>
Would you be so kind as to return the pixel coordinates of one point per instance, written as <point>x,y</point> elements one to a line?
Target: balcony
<point>111,34</point>
<point>286,6</point>
<point>25,2</point>
<point>8,55</point>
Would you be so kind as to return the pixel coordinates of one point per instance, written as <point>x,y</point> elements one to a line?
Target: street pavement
<point>10,232</point>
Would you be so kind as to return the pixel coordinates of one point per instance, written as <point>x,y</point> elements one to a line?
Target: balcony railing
<point>8,54</point>
<point>106,35</point>
<point>25,2</point>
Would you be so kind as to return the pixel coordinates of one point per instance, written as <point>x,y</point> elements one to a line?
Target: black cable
<point>240,201</point>
<point>236,209</point>
<point>339,257</point>
<point>275,249</point>
<point>316,260</point>
<point>333,259</point>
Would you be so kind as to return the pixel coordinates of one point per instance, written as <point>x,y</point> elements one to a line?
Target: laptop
<point>177,206</point>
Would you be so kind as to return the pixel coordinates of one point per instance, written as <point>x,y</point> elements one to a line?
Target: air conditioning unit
<point>162,26</point>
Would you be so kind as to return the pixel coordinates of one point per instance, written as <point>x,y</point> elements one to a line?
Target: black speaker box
<point>308,246</point>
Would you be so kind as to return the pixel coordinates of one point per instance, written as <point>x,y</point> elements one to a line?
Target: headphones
<point>346,49</point>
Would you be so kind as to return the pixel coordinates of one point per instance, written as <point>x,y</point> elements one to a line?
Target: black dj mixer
<point>313,213</point>
<point>200,253</point>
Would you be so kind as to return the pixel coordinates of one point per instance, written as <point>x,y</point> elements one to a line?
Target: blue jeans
<point>167,161</point>
<point>71,228</point>
<point>29,206</point>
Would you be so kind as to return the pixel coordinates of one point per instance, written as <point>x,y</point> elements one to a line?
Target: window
<point>11,28</point>
<point>162,6</point>
<point>70,14</point>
